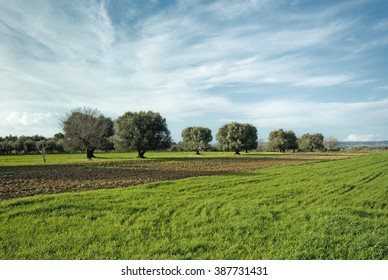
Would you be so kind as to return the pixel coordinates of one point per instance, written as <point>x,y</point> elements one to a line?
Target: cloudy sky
<point>308,66</point>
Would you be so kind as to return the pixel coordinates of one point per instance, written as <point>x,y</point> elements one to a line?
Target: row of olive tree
<point>231,137</point>
<point>286,140</point>
<point>87,129</point>
<point>13,144</point>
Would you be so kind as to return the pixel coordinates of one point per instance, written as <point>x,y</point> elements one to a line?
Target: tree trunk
<point>90,153</point>
<point>197,152</point>
<point>237,152</point>
<point>140,154</point>
<point>42,150</point>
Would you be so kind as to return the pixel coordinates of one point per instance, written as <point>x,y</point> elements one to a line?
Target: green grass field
<point>322,210</point>
<point>36,159</point>
<point>55,159</point>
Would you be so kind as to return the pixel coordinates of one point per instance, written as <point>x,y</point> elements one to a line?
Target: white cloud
<point>169,49</point>
<point>56,56</point>
<point>324,80</point>
<point>26,123</point>
<point>307,116</point>
<point>383,88</point>
<point>368,137</point>
<point>17,118</point>
<point>381,25</point>
<point>237,8</point>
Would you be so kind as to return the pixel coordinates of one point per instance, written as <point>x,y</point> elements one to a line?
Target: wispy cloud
<point>368,137</point>
<point>17,123</point>
<point>305,116</point>
<point>15,118</point>
<point>383,88</point>
<point>178,58</point>
<point>381,25</point>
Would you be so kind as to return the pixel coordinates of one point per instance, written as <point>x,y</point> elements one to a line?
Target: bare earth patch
<point>21,181</point>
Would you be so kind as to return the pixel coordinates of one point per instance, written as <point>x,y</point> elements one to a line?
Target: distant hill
<point>355,144</point>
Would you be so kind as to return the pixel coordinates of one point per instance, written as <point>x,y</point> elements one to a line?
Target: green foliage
<point>196,138</point>
<point>28,144</point>
<point>283,140</point>
<point>331,144</point>
<point>311,142</point>
<point>142,131</point>
<point>326,210</point>
<point>237,137</point>
<point>53,159</point>
<point>86,129</point>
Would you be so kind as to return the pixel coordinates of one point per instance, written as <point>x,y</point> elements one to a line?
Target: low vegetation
<point>73,173</point>
<point>331,209</point>
<point>88,130</point>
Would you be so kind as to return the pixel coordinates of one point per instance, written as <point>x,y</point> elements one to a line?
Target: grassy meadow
<point>80,158</point>
<point>334,209</point>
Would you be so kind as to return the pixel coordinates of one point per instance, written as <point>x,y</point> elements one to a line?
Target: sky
<point>306,66</point>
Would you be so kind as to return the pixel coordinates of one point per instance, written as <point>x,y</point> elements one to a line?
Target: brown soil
<point>21,181</point>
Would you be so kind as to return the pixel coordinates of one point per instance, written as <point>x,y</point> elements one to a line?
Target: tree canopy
<point>331,143</point>
<point>196,138</point>
<point>86,128</point>
<point>283,140</point>
<point>237,137</point>
<point>311,142</point>
<point>141,131</point>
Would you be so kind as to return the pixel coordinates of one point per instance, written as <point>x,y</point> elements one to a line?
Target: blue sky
<point>308,66</point>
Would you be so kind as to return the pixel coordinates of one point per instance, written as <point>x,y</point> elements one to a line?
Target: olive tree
<point>311,142</point>
<point>5,146</point>
<point>237,137</point>
<point>196,138</point>
<point>331,144</point>
<point>141,131</point>
<point>42,147</point>
<point>283,140</point>
<point>86,129</point>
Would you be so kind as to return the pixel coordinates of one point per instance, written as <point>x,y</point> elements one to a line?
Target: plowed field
<point>21,181</point>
